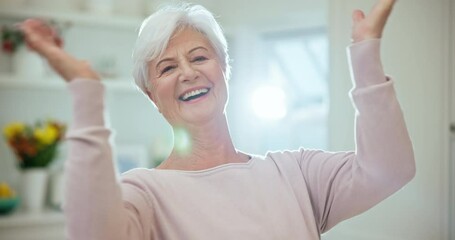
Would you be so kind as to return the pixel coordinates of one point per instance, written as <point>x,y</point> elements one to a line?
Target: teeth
<point>193,93</point>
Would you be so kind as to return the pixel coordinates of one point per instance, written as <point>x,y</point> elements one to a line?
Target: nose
<point>187,72</point>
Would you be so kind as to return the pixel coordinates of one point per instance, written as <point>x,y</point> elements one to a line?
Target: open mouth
<point>194,94</point>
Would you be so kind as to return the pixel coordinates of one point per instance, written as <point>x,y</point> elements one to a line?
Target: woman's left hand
<point>44,40</point>
<point>371,26</point>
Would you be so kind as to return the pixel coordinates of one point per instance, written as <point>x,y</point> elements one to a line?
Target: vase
<point>33,189</point>
<point>28,64</point>
<point>56,191</point>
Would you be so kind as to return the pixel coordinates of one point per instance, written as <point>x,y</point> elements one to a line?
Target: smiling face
<point>187,82</point>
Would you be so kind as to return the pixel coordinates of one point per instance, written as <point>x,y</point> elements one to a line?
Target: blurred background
<point>289,89</point>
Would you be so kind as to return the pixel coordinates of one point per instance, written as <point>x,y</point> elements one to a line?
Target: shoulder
<point>138,176</point>
<point>306,158</point>
<point>289,156</point>
<point>285,160</point>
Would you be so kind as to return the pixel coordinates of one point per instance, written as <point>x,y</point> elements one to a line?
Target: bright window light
<point>269,102</point>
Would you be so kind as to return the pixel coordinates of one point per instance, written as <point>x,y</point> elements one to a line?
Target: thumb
<point>358,15</point>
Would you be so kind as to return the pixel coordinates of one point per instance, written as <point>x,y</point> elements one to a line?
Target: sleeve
<point>94,207</point>
<point>345,184</point>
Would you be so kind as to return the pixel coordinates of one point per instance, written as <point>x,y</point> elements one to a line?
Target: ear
<point>151,97</point>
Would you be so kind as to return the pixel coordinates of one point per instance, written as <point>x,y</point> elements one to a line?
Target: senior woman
<point>212,190</point>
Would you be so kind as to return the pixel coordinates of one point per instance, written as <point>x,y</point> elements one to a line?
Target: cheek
<point>163,93</point>
<point>221,79</point>
<point>225,91</point>
<point>215,72</point>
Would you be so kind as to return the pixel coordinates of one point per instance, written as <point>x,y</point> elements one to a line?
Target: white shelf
<point>9,81</point>
<point>23,219</point>
<point>46,225</point>
<point>73,17</point>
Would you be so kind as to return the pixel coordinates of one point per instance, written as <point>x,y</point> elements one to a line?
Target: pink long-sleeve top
<point>283,195</point>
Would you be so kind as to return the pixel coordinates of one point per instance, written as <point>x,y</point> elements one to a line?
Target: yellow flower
<point>13,129</point>
<point>6,191</point>
<point>46,134</point>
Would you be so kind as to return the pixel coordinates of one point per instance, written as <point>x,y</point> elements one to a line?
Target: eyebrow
<point>192,50</point>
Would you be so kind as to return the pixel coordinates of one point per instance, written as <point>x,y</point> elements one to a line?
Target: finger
<point>28,27</point>
<point>55,37</point>
<point>36,33</point>
<point>36,29</point>
<point>382,10</point>
<point>358,15</point>
<point>59,41</point>
<point>36,25</point>
<point>30,23</point>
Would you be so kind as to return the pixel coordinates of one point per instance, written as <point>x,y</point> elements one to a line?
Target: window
<point>289,99</point>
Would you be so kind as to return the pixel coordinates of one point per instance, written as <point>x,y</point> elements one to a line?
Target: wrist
<point>365,63</point>
<point>365,38</point>
<point>69,68</point>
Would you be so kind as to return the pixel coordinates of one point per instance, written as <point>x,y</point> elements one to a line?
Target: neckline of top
<point>210,170</point>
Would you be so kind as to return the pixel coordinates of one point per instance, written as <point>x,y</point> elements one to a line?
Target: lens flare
<point>269,102</point>
<point>182,141</point>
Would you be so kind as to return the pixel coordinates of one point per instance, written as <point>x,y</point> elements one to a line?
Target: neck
<point>203,146</point>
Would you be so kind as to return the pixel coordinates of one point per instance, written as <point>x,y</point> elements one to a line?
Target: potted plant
<point>35,147</point>
<point>12,39</point>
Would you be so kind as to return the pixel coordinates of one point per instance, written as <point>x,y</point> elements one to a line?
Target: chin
<point>203,115</point>
<point>201,118</point>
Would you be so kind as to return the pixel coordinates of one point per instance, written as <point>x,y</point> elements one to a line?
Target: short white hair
<point>157,29</point>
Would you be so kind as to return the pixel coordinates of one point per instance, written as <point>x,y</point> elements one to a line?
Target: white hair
<point>157,29</point>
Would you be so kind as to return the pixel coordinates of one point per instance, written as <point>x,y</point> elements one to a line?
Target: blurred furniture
<point>47,225</point>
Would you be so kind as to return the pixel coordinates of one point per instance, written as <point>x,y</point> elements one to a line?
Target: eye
<point>199,59</point>
<point>167,69</point>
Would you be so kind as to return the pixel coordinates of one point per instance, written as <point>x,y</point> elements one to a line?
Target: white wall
<point>416,53</point>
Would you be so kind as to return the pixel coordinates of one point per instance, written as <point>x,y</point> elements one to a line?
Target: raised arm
<point>94,207</point>
<point>44,40</point>
<point>345,184</point>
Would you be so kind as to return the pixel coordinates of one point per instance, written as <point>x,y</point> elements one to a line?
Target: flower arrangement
<point>34,145</point>
<point>12,39</point>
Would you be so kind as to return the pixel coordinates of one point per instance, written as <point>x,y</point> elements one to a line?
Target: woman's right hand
<point>44,40</point>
